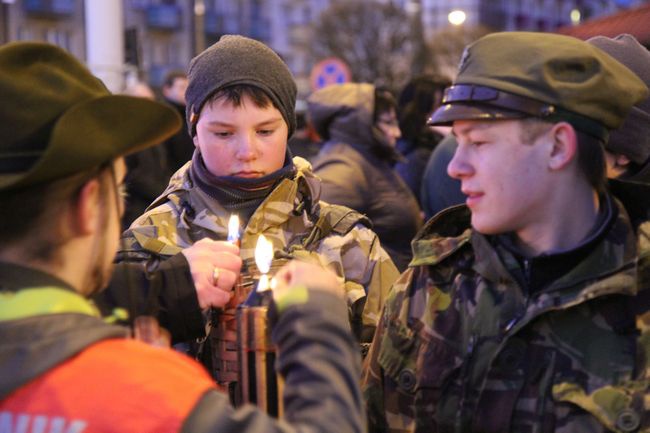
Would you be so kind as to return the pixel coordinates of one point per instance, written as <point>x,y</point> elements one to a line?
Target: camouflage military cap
<point>554,77</point>
<point>57,119</point>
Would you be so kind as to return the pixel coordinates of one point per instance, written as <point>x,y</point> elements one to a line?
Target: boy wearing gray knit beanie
<point>240,113</point>
<point>237,60</point>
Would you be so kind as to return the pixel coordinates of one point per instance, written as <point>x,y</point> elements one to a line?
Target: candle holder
<point>243,356</point>
<point>259,383</point>
<point>223,338</point>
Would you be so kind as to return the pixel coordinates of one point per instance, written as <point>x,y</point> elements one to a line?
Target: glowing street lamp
<point>457,17</point>
<point>575,16</point>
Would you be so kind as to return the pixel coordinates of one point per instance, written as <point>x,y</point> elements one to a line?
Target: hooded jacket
<point>470,343</point>
<point>356,166</point>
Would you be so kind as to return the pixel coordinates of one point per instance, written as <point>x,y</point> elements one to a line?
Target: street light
<point>456,17</point>
<point>575,16</point>
<point>199,26</point>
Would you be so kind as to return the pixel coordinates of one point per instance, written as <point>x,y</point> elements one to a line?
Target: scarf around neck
<point>238,195</point>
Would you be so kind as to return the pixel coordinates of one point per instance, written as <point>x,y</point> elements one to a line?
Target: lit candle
<point>263,259</point>
<point>233,229</point>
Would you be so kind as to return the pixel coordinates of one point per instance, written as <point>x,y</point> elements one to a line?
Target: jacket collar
<point>612,261</point>
<point>14,277</point>
<point>288,199</point>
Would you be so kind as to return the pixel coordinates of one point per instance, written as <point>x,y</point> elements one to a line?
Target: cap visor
<point>448,113</point>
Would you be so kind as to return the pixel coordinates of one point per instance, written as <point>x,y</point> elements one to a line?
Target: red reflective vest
<point>114,385</point>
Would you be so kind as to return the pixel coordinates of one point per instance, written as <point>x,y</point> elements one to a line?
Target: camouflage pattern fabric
<point>461,347</point>
<point>288,217</point>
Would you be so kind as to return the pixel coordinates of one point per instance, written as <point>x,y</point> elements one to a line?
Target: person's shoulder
<point>134,360</point>
<point>155,231</point>
<point>443,235</point>
<point>149,387</point>
<point>342,219</point>
<point>340,154</point>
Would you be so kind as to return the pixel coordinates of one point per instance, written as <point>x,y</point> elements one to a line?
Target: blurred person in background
<point>303,142</point>
<point>417,100</point>
<point>627,152</point>
<point>60,203</point>
<point>179,148</point>
<point>148,169</point>
<point>360,128</point>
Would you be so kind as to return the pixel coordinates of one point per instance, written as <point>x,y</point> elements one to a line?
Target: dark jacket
<point>179,147</point>
<point>148,173</point>
<point>438,190</point>
<point>416,155</point>
<point>356,167</point>
<point>60,364</point>
<point>160,288</point>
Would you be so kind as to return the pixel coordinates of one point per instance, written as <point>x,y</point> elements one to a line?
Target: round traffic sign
<point>329,71</point>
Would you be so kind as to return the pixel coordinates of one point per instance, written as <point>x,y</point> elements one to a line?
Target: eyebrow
<point>262,123</point>
<point>470,128</point>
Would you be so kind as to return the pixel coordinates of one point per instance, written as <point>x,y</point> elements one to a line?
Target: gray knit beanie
<point>239,60</point>
<point>633,138</point>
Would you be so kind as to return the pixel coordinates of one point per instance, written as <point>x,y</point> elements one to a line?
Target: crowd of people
<point>470,256</point>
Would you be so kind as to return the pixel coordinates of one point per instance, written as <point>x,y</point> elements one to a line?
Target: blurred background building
<point>381,40</point>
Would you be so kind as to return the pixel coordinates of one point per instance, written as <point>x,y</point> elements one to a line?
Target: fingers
<point>226,261</point>
<point>209,250</point>
<point>203,257</point>
<point>313,276</point>
<point>210,296</point>
<point>226,280</point>
<point>211,246</point>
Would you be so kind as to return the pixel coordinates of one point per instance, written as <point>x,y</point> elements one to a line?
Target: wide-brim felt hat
<point>57,119</point>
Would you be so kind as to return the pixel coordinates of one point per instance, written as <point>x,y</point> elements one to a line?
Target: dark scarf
<point>238,195</point>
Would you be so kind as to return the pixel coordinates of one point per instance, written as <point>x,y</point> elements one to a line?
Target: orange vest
<point>115,385</point>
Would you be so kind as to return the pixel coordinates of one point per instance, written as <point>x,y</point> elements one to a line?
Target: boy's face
<point>245,141</point>
<point>506,181</point>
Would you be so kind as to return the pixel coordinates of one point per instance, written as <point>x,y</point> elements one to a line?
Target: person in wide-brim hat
<point>57,120</point>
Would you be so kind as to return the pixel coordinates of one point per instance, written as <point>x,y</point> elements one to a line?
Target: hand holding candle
<point>309,275</point>
<point>204,257</point>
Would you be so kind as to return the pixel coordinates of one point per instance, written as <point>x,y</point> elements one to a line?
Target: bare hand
<point>312,276</point>
<point>204,257</point>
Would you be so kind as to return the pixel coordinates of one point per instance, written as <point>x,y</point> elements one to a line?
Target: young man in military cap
<point>62,368</point>
<point>518,311</point>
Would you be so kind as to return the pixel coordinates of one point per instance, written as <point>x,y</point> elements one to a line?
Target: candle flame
<point>263,254</point>
<point>233,228</point>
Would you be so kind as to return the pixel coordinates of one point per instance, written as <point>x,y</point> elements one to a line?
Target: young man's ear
<point>85,210</point>
<point>564,146</point>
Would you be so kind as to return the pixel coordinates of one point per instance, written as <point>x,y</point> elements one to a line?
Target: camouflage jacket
<point>461,347</point>
<point>292,217</point>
